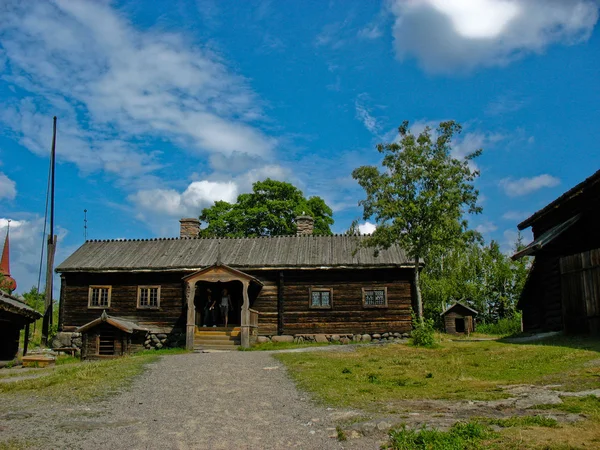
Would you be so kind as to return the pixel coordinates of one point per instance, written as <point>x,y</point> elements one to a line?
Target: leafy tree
<point>420,196</point>
<point>269,210</point>
<point>478,274</point>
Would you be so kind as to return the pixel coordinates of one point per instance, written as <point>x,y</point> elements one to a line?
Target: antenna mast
<point>47,321</point>
<point>85,224</point>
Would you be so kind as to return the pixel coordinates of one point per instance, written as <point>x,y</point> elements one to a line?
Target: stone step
<point>217,333</point>
<point>226,329</point>
<point>216,337</point>
<point>212,346</point>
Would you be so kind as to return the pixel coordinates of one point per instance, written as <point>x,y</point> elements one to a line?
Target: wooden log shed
<point>562,291</point>
<point>459,319</point>
<point>289,285</point>
<point>14,316</point>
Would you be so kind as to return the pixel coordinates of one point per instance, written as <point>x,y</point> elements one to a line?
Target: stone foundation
<point>336,338</point>
<point>64,339</point>
<point>163,340</point>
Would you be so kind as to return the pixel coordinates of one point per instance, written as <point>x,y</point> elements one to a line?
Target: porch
<point>205,288</point>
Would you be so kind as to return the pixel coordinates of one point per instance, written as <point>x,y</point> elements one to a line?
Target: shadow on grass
<point>580,342</point>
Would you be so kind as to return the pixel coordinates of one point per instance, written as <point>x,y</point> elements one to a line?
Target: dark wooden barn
<point>459,319</point>
<point>14,316</point>
<point>286,285</point>
<point>562,291</point>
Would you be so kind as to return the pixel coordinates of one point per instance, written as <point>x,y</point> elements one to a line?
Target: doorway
<point>209,294</point>
<point>459,325</point>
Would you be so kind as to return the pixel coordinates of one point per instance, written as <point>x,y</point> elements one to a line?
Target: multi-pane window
<point>375,297</point>
<point>320,298</point>
<point>99,297</point>
<point>148,296</point>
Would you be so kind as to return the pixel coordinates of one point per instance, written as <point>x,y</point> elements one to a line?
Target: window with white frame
<point>148,296</point>
<point>99,296</point>
<point>375,297</point>
<point>321,298</point>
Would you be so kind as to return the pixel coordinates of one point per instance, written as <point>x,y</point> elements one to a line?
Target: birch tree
<point>421,195</point>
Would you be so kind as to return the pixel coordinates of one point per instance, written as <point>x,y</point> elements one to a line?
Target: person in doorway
<point>225,305</point>
<point>209,310</point>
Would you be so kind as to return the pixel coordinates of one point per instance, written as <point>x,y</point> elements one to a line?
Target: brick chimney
<point>304,225</point>
<point>189,228</point>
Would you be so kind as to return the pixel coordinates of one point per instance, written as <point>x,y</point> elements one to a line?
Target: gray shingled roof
<point>193,254</point>
<point>16,306</point>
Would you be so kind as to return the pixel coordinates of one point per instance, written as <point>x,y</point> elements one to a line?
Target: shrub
<point>506,326</point>
<point>423,333</point>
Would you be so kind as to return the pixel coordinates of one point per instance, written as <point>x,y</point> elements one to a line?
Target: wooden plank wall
<point>75,311</point>
<point>580,279</point>
<point>347,314</point>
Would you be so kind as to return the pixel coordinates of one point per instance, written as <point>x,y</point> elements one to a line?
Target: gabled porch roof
<point>117,322</point>
<point>220,273</point>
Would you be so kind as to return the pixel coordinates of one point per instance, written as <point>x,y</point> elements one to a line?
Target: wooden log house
<point>290,285</point>
<point>562,291</point>
<point>459,319</point>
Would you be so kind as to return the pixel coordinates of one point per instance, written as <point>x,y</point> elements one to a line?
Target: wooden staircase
<point>217,338</point>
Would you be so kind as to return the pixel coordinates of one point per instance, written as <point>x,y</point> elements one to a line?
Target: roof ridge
<point>186,238</point>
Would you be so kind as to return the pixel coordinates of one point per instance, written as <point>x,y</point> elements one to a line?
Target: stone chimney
<point>189,228</point>
<point>304,225</point>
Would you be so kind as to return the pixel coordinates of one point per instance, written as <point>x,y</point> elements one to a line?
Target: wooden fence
<point>580,289</point>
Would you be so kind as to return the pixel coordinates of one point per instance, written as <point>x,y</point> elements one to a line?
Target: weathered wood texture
<point>450,323</point>
<point>542,311</point>
<point>106,341</point>
<point>580,287</point>
<point>347,315</point>
<point>123,301</point>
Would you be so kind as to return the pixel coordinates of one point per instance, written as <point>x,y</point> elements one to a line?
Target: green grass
<point>15,444</point>
<point>163,351</point>
<point>84,380</point>
<point>462,436</point>
<point>372,376</point>
<point>522,421</point>
<point>282,346</point>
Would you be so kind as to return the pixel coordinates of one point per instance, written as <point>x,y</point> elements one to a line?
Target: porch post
<point>245,341</point>
<point>190,293</point>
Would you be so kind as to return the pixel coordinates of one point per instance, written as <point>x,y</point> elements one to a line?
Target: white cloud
<point>198,195</point>
<point>8,188</point>
<point>516,215</point>
<point>371,31</point>
<point>459,35</point>
<point>363,113</point>
<point>366,228</point>
<point>25,246</point>
<point>524,186</point>
<point>486,227</point>
<point>103,78</point>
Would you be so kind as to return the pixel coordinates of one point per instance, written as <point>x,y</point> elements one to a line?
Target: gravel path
<point>229,400</point>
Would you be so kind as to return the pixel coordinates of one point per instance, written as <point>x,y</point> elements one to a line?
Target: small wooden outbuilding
<point>107,337</point>
<point>459,319</point>
<point>14,316</point>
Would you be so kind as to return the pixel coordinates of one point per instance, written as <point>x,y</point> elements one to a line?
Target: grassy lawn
<point>378,379</point>
<point>72,379</point>
<point>283,346</point>
<point>456,370</point>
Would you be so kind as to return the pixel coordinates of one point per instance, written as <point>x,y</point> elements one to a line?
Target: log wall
<point>123,303</point>
<point>285,292</point>
<point>580,282</point>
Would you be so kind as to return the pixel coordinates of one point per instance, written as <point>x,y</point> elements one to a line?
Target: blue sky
<point>165,107</point>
